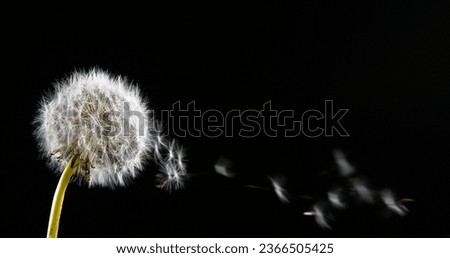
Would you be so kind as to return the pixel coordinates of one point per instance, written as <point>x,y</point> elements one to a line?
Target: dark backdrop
<point>387,63</point>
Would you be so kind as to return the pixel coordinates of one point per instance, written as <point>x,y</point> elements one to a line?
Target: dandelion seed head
<point>89,115</point>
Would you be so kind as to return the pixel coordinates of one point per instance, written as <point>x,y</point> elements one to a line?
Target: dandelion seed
<point>173,168</point>
<point>171,151</point>
<point>335,198</point>
<point>171,158</point>
<point>84,117</point>
<point>344,167</point>
<point>172,176</point>
<point>320,216</point>
<point>95,126</point>
<point>362,191</point>
<point>224,167</point>
<point>278,186</point>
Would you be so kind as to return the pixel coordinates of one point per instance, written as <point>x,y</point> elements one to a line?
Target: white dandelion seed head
<point>100,118</point>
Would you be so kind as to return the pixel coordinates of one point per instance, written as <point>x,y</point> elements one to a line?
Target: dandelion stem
<point>58,198</point>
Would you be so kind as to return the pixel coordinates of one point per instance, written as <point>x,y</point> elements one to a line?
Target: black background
<point>387,63</point>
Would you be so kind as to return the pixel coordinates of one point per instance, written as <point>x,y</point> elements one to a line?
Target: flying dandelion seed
<point>389,200</point>
<point>173,167</point>
<point>344,167</point>
<point>171,158</point>
<point>224,167</point>
<point>84,118</point>
<point>321,216</point>
<point>352,191</point>
<point>278,184</point>
<point>160,142</point>
<point>362,190</point>
<point>98,129</point>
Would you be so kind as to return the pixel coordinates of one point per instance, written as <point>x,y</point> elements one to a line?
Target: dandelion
<point>96,128</point>
<point>362,190</point>
<point>388,198</point>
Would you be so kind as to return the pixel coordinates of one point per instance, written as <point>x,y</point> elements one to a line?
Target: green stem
<point>58,198</point>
